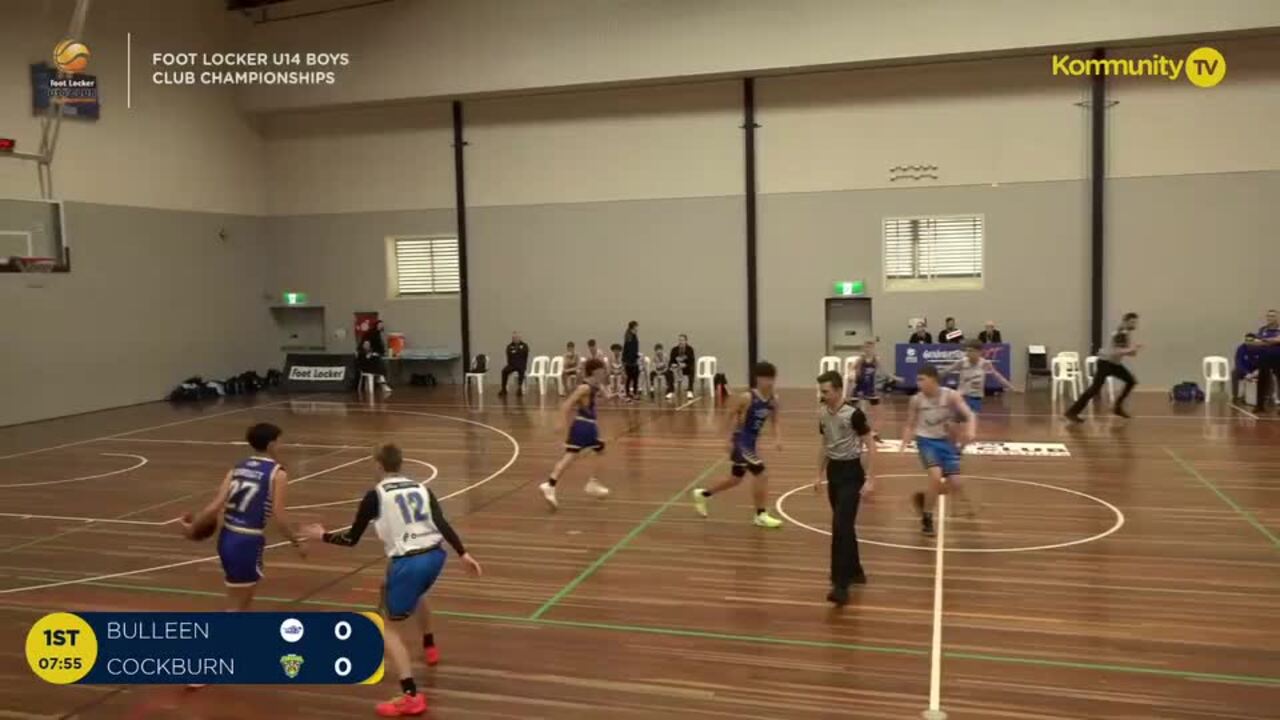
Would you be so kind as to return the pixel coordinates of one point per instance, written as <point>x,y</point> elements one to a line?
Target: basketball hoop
<point>35,264</point>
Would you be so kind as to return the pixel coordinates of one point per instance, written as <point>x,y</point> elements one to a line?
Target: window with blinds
<point>426,265</point>
<point>931,252</point>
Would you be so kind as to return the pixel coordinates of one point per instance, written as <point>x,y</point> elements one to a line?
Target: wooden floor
<point>634,607</point>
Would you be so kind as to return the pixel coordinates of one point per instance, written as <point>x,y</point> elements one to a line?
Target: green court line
<point>1248,516</point>
<point>635,531</point>
<point>752,639</point>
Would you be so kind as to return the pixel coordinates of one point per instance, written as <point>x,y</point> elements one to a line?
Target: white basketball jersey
<point>404,517</point>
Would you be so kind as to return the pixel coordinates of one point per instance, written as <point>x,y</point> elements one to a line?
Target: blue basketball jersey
<point>757,415</point>
<point>588,411</point>
<point>249,502</point>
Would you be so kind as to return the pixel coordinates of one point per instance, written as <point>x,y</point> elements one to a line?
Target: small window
<point>933,253</point>
<point>425,266</point>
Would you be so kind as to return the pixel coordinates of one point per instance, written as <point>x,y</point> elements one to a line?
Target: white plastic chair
<point>646,366</point>
<point>706,373</point>
<point>1073,358</point>
<point>1217,369</point>
<point>366,386</point>
<point>539,371</point>
<point>1065,372</point>
<point>827,363</point>
<point>556,372</point>
<point>473,377</point>
<point>1091,369</point>
<point>851,365</point>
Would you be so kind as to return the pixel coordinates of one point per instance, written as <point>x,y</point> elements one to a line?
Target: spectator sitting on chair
<point>1248,355</point>
<point>615,369</point>
<point>517,362</point>
<point>374,350</point>
<point>990,334</point>
<point>684,361</point>
<point>594,353</point>
<point>569,375</point>
<point>921,335</point>
<point>1268,344</point>
<point>951,334</point>
<point>661,367</point>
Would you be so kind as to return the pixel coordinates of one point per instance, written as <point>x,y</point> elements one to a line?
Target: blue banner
<point>908,357</point>
<point>249,648</point>
<point>77,93</point>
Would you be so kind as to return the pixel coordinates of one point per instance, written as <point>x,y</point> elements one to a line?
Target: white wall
<point>397,157</point>
<point>446,48</point>
<point>178,148</point>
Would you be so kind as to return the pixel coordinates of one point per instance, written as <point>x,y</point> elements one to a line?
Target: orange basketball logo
<point>71,56</point>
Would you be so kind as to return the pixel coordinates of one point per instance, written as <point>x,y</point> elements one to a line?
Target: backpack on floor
<point>721,383</point>
<point>1186,392</point>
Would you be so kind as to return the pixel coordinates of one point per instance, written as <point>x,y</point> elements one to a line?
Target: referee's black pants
<point>844,489</point>
<point>1106,369</point>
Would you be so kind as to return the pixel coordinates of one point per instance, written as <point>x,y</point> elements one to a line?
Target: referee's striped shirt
<point>841,431</point>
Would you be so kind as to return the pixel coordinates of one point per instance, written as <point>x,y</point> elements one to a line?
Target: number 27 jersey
<point>249,503</point>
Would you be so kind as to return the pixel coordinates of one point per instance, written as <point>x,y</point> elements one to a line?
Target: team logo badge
<point>291,630</point>
<point>292,664</point>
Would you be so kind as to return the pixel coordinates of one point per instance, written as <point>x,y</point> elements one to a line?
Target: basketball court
<point>1134,577</point>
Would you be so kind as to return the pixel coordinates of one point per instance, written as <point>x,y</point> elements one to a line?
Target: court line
<point>116,521</point>
<point>241,443</point>
<point>1248,516</point>
<point>142,571</point>
<point>695,399</point>
<point>626,539</point>
<point>434,472</point>
<point>934,711</point>
<point>1120,518</point>
<point>732,637</point>
<point>251,408</point>
<point>1237,408</point>
<point>141,461</point>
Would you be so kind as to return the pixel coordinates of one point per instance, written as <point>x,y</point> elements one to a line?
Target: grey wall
<point>1036,274</point>
<point>1190,254</point>
<point>155,296</point>
<point>340,260</point>
<point>572,272</point>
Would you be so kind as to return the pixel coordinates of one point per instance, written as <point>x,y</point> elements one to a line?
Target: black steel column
<point>749,156</point>
<point>1097,187</point>
<point>460,195</point>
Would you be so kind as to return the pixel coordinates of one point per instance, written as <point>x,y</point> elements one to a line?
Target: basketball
<point>71,56</point>
<point>199,528</point>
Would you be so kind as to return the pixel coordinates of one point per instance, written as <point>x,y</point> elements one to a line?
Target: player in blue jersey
<point>750,411</point>
<point>930,414</point>
<point>251,493</point>
<point>579,413</point>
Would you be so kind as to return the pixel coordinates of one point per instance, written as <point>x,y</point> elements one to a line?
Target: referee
<point>844,431</point>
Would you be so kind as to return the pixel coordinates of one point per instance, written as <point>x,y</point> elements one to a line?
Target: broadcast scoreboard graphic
<point>250,648</point>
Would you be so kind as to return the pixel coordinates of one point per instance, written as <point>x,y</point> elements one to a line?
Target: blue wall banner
<point>908,357</point>
<point>240,648</point>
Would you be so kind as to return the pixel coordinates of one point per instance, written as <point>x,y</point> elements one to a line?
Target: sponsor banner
<point>319,373</point>
<point>908,357</point>
<point>986,447</point>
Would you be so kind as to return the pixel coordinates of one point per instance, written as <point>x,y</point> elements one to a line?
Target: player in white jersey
<point>408,519</point>
<point>930,414</point>
<point>972,370</point>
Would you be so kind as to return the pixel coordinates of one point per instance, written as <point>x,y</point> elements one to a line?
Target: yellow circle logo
<point>71,56</point>
<point>1206,67</point>
<point>61,648</point>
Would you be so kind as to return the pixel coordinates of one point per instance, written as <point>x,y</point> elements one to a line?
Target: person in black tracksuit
<point>684,361</point>
<point>631,358</point>
<point>517,362</point>
<point>1111,364</point>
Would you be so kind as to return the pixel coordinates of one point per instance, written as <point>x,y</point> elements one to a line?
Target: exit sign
<point>7,144</point>
<point>847,288</point>
<point>295,298</point>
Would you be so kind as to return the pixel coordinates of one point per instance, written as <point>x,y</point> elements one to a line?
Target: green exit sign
<point>846,288</point>
<point>295,298</point>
